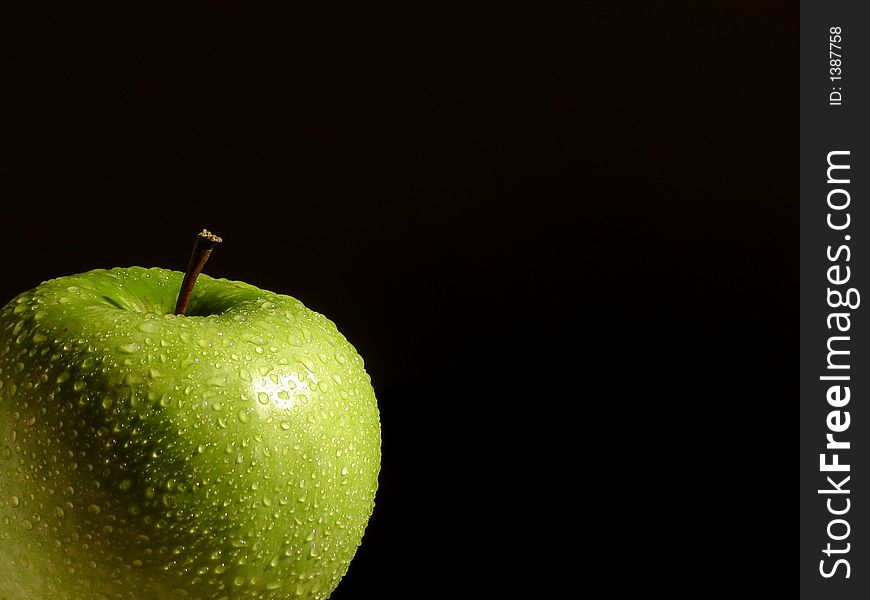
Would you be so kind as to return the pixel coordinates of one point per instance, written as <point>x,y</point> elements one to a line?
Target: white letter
<point>834,568</point>
<point>834,466</point>
<point>835,398</point>
<point>835,424</point>
<point>832,167</point>
<point>841,512</point>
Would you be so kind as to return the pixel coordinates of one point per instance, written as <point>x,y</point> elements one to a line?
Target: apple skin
<point>231,453</point>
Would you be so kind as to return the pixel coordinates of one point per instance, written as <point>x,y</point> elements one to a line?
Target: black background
<point>563,237</point>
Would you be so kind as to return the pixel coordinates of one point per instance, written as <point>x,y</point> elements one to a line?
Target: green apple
<point>229,453</point>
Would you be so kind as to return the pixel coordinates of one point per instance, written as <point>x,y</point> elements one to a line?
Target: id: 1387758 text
<point>835,60</point>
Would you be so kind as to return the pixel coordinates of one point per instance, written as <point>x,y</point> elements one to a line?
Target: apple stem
<point>202,247</point>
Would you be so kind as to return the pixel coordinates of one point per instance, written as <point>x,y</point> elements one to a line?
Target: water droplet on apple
<point>149,327</point>
<point>18,327</point>
<point>130,348</point>
<point>263,397</point>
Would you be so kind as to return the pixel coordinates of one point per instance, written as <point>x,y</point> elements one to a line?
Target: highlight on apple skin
<point>229,453</point>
